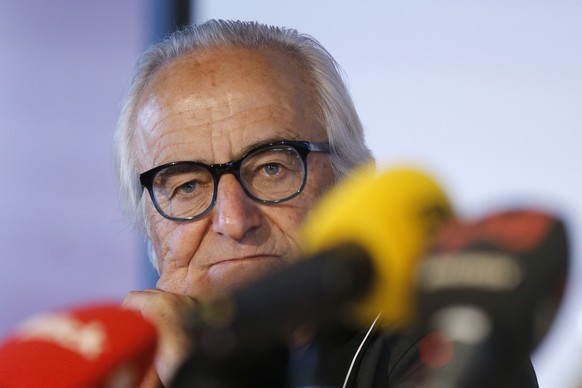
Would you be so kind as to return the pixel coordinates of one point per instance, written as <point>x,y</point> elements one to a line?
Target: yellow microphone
<point>393,215</point>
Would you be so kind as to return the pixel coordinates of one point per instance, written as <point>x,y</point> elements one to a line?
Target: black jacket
<point>378,359</point>
<point>337,356</point>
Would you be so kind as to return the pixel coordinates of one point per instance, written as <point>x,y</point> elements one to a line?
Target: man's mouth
<point>244,259</point>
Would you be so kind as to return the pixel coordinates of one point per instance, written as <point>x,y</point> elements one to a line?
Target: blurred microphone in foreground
<point>361,245</point>
<point>488,292</point>
<point>364,246</point>
<point>100,346</point>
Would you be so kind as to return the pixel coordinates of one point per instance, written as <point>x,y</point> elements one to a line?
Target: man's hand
<point>168,312</point>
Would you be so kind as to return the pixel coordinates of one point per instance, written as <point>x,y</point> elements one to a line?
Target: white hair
<point>334,105</point>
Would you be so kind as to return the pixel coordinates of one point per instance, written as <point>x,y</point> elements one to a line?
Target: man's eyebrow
<point>260,143</point>
<point>167,173</point>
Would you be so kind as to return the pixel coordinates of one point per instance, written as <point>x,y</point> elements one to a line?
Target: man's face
<point>211,107</point>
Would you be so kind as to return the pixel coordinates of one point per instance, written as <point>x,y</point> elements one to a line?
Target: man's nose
<point>235,213</point>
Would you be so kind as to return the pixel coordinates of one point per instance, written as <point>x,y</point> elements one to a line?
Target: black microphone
<point>488,292</point>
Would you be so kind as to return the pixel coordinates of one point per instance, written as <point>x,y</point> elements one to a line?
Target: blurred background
<point>484,95</point>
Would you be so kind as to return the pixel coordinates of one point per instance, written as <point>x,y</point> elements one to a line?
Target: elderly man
<point>234,130</point>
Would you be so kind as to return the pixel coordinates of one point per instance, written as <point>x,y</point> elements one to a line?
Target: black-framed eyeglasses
<point>270,173</point>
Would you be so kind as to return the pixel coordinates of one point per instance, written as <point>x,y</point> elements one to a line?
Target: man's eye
<point>187,188</point>
<point>272,169</point>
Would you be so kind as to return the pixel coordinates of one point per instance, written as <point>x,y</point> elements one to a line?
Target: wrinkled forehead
<point>224,92</point>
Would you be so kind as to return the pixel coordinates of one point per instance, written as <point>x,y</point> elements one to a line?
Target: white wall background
<point>484,95</point>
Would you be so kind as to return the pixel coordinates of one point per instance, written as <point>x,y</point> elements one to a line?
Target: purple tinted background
<point>64,66</point>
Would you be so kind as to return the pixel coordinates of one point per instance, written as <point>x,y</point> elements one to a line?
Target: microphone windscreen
<point>511,264</point>
<point>95,346</point>
<point>490,289</point>
<point>392,215</point>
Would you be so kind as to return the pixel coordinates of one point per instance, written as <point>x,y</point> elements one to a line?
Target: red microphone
<point>101,346</point>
